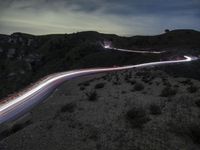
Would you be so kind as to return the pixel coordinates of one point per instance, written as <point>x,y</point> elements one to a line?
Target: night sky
<point>123,17</point>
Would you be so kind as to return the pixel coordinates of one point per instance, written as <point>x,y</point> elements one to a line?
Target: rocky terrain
<point>26,58</point>
<point>143,109</point>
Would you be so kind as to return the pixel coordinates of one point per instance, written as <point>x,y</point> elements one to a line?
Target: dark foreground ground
<point>128,110</point>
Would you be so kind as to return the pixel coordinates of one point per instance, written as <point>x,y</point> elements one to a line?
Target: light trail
<point>20,105</point>
<point>107,46</point>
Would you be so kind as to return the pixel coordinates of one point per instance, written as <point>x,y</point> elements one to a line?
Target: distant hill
<point>25,58</point>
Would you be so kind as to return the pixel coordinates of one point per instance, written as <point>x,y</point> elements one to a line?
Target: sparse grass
<point>192,89</point>
<point>92,95</point>
<point>138,87</point>
<point>168,91</point>
<point>155,109</point>
<point>137,117</point>
<point>99,85</point>
<point>70,107</point>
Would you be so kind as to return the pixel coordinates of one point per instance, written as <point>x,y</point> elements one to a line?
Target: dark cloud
<point>125,13</point>
<point>119,7</point>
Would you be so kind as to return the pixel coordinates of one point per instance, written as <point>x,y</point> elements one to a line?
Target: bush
<point>92,96</point>
<point>192,89</point>
<point>99,85</point>
<point>132,82</point>
<point>128,76</point>
<point>155,109</point>
<point>86,83</point>
<point>20,126</point>
<point>186,82</point>
<point>168,91</point>
<point>82,88</point>
<point>138,87</point>
<point>194,133</point>
<point>167,30</point>
<point>68,108</point>
<point>198,103</point>
<point>137,117</point>
<point>16,128</point>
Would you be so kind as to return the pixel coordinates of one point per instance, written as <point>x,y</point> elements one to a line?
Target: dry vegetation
<point>143,109</point>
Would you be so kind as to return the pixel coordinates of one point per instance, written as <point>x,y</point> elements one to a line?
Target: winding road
<point>107,46</point>
<point>17,106</point>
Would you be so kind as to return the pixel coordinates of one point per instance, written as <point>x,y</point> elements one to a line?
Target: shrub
<point>155,109</point>
<point>99,85</point>
<point>192,89</point>
<point>194,133</point>
<point>128,76</point>
<point>92,96</point>
<point>4,134</point>
<point>68,107</point>
<point>138,87</point>
<point>123,92</point>
<point>132,82</point>
<point>186,82</point>
<point>198,103</point>
<point>137,117</point>
<point>16,128</point>
<point>82,88</point>
<point>86,83</point>
<point>167,30</point>
<point>168,91</point>
<point>19,126</point>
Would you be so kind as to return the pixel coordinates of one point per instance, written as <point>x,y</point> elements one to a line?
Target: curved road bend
<point>19,105</point>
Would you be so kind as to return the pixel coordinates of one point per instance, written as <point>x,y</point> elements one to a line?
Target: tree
<point>167,30</point>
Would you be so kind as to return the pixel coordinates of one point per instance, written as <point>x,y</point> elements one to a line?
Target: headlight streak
<point>133,51</point>
<point>21,104</point>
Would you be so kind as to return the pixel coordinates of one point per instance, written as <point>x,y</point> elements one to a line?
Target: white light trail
<point>107,46</point>
<point>23,103</point>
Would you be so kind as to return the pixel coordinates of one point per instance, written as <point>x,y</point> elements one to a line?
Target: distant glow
<point>107,46</point>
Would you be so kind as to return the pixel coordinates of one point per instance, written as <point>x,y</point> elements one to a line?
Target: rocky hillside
<point>139,109</point>
<point>26,58</point>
